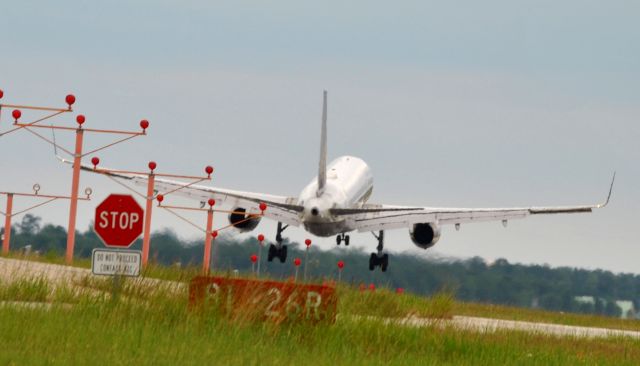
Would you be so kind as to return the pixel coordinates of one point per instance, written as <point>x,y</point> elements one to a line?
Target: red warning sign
<point>118,220</point>
<point>277,301</point>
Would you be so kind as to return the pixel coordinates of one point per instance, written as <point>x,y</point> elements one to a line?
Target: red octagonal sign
<point>118,220</point>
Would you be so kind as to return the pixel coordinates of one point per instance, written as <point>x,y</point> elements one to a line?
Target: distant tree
<point>51,239</point>
<point>30,224</point>
<point>612,309</point>
<point>598,306</point>
<point>585,307</point>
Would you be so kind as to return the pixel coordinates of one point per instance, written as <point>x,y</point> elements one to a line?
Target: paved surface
<point>15,269</point>
<point>57,274</point>
<point>488,325</point>
<point>492,325</point>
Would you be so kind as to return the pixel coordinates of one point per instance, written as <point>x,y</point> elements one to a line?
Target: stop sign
<point>118,220</point>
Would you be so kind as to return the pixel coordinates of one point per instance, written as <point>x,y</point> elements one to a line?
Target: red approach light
<point>70,99</point>
<point>160,198</point>
<point>254,258</point>
<point>1,94</point>
<point>208,169</point>
<point>144,124</point>
<point>214,234</point>
<point>211,202</point>
<point>16,114</point>
<point>80,119</point>
<point>399,290</point>
<point>297,262</point>
<point>340,264</point>
<point>152,165</point>
<point>307,242</point>
<point>261,238</point>
<point>95,161</point>
<point>263,206</point>
<point>372,287</point>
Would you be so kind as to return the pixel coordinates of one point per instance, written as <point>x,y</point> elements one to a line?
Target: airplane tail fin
<point>322,169</point>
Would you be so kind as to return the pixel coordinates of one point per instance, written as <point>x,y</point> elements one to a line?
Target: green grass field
<point>82,324</point>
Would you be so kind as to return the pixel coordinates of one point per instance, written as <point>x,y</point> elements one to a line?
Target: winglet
<point>322,169</point>
<point>610,191</point>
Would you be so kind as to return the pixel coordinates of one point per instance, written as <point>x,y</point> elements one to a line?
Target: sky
<point>454,104</point>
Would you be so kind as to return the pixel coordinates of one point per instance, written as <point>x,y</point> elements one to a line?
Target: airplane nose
<point>315,211</point>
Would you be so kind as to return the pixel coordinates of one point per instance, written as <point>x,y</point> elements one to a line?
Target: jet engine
<point>425,235</point>
<point>243,221</point>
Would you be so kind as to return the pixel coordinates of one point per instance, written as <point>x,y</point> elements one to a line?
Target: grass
<point>387,304</point>
<point>30,289</point>
<point>151,324</point>
<point>159,330</point>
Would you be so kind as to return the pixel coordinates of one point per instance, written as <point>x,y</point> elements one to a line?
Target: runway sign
<point>111,262</point>
<point>118,220</point>
<point>267,300</point>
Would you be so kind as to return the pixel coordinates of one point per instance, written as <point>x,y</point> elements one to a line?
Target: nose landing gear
<point>379,259</point>
<point>342,237</point>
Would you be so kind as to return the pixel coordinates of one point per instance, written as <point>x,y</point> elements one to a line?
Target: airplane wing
<point>279,208</point>
<point>373,217</point>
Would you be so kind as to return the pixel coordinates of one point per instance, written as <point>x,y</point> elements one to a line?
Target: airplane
<point>336,202</point>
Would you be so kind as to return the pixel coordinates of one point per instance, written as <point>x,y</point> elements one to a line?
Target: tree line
<point>473,280</point>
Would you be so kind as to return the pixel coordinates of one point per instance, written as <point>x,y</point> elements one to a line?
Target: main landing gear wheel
<point>379,259</point>
<point>382,262</point>
<point>342,238</point>
<point>272,253</point>
<point>275,252</point>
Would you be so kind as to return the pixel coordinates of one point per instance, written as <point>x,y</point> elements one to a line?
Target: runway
<point>492,325</point>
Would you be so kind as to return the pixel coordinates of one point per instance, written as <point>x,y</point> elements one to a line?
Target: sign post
<point>7,224</point>
<point>146,239</point>
<point>260,244</point>
<point>306,257</point>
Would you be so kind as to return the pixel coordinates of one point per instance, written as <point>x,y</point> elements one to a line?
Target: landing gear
<point>379,258</point>
<point>342,237</point>
<point>382,261</point>
<point>279,233</point>
<point>275,252</point>
<point>278,250</point>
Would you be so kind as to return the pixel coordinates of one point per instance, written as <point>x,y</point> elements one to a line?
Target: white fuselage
<point>349,185</point>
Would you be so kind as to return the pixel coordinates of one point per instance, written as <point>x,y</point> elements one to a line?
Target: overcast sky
<point>456,104</point>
